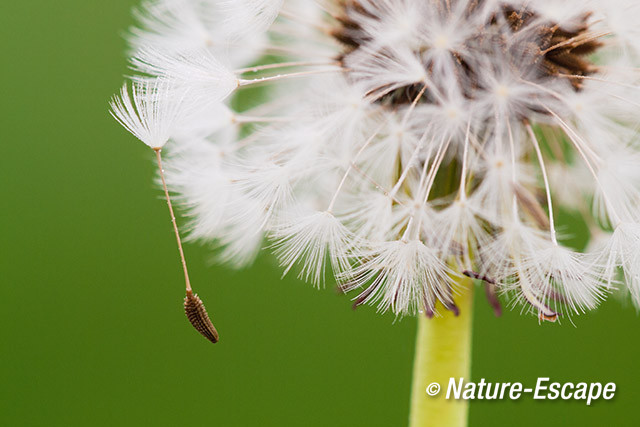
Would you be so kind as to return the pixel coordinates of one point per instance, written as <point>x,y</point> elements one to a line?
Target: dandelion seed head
<point>393,145</point>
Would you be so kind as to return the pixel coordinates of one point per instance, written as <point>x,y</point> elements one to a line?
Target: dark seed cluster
<point>554,50</point>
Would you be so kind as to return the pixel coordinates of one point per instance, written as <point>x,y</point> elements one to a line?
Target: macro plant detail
<point>403,147</point>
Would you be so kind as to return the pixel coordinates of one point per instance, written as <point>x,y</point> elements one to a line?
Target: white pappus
<point>401,145</point>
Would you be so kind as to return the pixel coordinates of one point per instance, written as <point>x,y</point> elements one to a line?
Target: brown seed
<point>197,315</point>
<point>559,51</point>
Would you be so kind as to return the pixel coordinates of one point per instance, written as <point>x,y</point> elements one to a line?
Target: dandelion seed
<point>150,118</point>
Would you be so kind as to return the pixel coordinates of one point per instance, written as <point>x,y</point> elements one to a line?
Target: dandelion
<point>405,146</point>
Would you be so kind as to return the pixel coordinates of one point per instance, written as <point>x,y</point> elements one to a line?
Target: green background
<point>93,331</point>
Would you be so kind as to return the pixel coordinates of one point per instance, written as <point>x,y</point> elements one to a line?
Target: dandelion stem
<point>513,169</point>
<point>536,145</point>
<point>435,166</point>
<point>256,119</point>
<point>443,351</point>
<point>411,161</point>
<point>307,22</point>
<point>405,120</point>
<point>264,67</point>
<point>577,140</point>
<point>245,82</point>
<point>597,79</point>
<point>355,159</point>
<point>462,193</point>
<point>173,221</point>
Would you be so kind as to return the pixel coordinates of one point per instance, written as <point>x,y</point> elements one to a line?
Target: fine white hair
<point>401,144</point>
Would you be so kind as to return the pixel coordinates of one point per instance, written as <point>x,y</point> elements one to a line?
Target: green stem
<point>443,351</point>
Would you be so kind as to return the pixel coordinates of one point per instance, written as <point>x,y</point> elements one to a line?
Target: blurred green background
<point>93,331</point>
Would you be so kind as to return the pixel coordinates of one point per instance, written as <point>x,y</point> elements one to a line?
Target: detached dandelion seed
<point>410,147</point>
<point>150,118</point>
